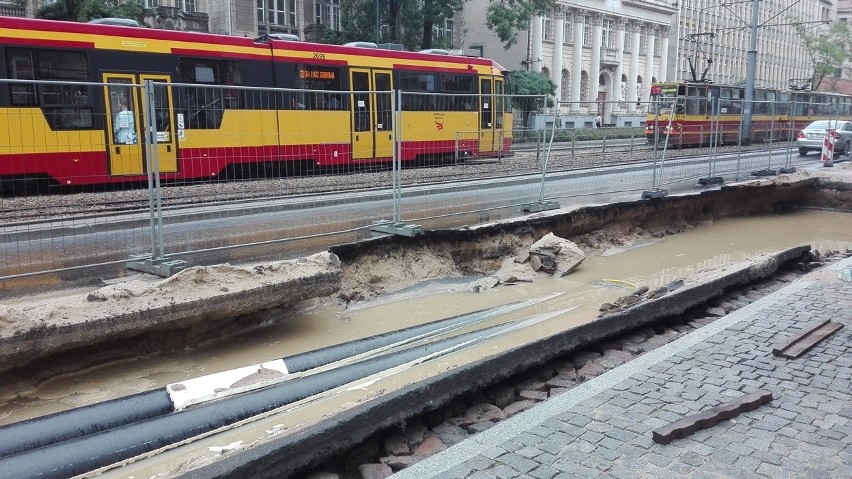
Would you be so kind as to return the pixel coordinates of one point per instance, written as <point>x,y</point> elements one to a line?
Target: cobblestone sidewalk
<point>603,428</point>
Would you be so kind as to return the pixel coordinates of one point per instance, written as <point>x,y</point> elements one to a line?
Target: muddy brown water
<point>651,262</point>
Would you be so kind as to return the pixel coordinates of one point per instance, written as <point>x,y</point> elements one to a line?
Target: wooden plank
<point>711,417</point>
<point>808,338</point>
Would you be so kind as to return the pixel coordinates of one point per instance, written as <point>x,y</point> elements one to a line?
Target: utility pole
<point>751,72</point>
<point>377,22</point>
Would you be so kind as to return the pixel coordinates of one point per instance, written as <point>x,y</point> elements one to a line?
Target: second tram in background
<point>696,114</point>
<point>228,105</point>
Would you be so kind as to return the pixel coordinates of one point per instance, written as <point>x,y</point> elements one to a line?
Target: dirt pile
<point>207,297</point>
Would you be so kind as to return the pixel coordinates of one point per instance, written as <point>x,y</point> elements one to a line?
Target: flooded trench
<point>645,261</point>
<point>640,261</point>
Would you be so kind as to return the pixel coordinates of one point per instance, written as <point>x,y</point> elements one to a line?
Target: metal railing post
<point>156,262</point>
<point>396,226</point>
<point>541,204</point>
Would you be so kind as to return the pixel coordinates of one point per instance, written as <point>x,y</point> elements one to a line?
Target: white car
<point>812,137</point>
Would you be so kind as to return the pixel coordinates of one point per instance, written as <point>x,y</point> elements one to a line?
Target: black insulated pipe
<point>87,453</point>
<point>62,426</point>
<point>82,421</point>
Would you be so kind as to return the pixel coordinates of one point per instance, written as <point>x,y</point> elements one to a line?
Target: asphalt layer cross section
<point>603,428</point>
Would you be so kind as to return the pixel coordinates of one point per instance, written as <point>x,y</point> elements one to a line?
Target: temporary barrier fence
<point>239,173</point>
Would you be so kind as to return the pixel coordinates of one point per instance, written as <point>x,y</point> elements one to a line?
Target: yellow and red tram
<point>73,112</point>
<point>694,114</point>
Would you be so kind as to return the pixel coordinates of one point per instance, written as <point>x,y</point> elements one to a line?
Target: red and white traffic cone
<point>827,150</point>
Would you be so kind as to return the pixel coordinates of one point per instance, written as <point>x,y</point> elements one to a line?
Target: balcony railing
<point>13,11</point>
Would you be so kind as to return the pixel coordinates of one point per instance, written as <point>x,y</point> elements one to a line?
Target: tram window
<point>234,98</point>
<point>61,65</point>
<point>736,102</point>
<point>202,107</point>
<point>782,105</point>
<point>499,105</point>
<point>696,103</point>
<point>418,82</point>
<point>19,64</point>
<point>457,84</point>
<point>65,106</point>
<point>819,105</point>
<point>325,83</point>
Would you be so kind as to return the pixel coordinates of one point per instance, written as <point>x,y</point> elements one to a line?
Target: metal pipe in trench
<point>92,451</point>
<point>63,426</point>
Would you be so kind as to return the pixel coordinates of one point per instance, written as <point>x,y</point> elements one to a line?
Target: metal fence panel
<point>260,172</point>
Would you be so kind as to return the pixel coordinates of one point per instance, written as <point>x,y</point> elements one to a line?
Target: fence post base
<point>541,206</point>
<point>711,180</point>
<point>401,229</point>
<point>786,171</point>
<point>654,194</point>
<point>160,267</point>
<point>766,172</point>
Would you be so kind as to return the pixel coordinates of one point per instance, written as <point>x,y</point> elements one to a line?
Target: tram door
<point>486,115</point>
<point>126,122</point>
<point>371,114</point>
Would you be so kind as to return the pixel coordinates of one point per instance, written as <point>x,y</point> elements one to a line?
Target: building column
<point>535,33</point>
<point>577,60</point>
<point>595,70</point>
<point>559,40</point>
<point>634,30</point>
<point>650,39</point>
<point>619,60</point>
<point>664,55</point>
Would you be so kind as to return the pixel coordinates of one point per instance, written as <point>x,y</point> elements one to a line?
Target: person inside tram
<point>124,125</point>
<point>333,102</point>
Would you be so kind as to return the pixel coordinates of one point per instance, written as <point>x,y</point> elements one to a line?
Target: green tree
<point>829,50</point>
<point>412,22</point>
<point>529,90</point>
<point>436,12</point>
<point>508,17</point>
<point>401,21</point>
<point>85,10</point>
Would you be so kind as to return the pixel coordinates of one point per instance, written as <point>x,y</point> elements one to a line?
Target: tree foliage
<point>829,50</point>
<point>400,21</point>
<point>508,17</point>
<point>85,10</point>
<point>531,91</point>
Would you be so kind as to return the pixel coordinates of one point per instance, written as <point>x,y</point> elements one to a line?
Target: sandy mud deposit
<point>211,303</point>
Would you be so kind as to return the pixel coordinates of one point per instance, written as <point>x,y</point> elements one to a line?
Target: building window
<point>642,43</point>
<point>584,86</point>
<point>333,7</point>
<point>566,30</point>
<point>446,33</point>
<point>628,42</point>
<point>606,34</point>
<point>547,29</point>
<point>276,12</point>
<point>187,5</point>
<point>148,3</point>
<point>565,89</point>
<point>326,12</point>
<point>658,42</point>
<point>587,31</point>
